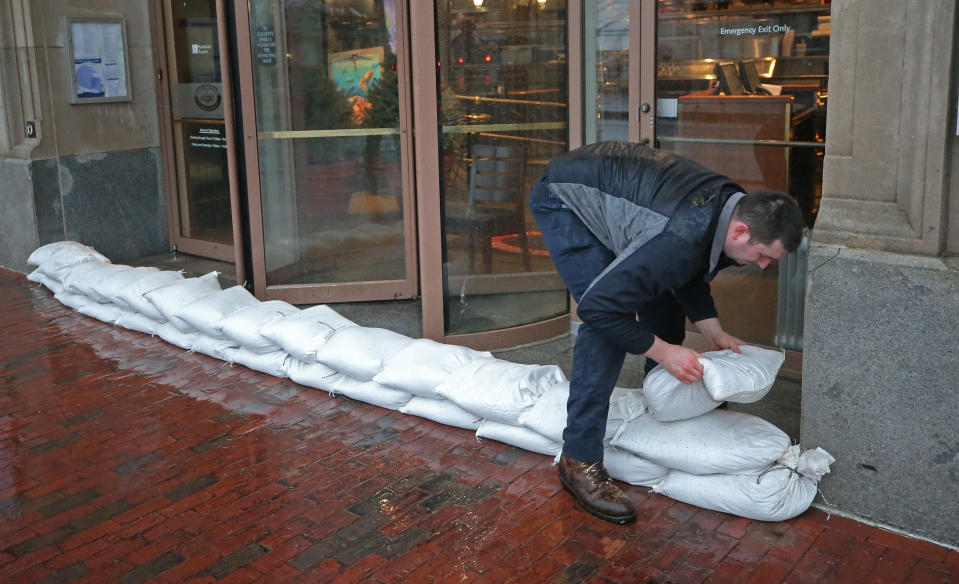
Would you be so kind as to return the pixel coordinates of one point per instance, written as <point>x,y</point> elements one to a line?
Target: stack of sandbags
<point>359,354</point>
<point>716,459</point>
<point>55,260</point>
<point>418,369</point>
<point>723,460</point>
<point>548,417</point>
<point>498,392</point>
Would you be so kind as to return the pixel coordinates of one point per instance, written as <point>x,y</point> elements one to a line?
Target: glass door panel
<point>742,88</point>
<point>204,220</point>
<point>328,91</point>
<point>606,70</point>
<point>502,98</point>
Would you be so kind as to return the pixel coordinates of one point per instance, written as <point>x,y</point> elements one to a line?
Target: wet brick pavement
<point>125,459</point>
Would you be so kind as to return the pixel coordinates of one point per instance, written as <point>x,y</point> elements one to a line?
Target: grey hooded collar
<point>722,226</point>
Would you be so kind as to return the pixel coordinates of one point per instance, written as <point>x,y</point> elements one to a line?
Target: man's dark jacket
<point>658,213</point>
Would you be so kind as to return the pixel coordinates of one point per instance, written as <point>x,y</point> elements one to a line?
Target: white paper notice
<point>99,65</point>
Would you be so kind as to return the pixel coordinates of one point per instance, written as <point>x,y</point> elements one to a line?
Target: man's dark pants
<point>579,258</point>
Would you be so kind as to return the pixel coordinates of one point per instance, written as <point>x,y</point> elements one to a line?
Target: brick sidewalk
<point>126,459</point>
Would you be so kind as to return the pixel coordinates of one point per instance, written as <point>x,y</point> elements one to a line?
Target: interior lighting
<point>477,3</point>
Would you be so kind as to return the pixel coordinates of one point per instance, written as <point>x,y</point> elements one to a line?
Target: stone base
<point>18,236</point>
<point>111,201</point>
<point>879,386</point>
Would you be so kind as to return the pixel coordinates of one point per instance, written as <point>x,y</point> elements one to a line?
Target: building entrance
<point>202,211</point>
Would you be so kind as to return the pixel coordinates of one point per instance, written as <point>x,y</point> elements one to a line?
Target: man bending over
<point>637,234</point>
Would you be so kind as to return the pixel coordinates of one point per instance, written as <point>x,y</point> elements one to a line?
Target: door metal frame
<point>226,88</point>
<point>324,292</point>
<point>642,67</point>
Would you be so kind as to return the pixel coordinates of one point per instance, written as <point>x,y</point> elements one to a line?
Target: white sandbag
<point>108,288</point>
<point>518,436</point>
<point>498,390</point>
<point>108,313</point>
<point>361,352</point>
<point>44,252</point>
<point>274,363</point>
<point>71,300</point>
<point>58,264</point>
<point>171,298</point>
<point>440,410</point>
<point>742,378</point>
<point>175,336</point>
<point>371,392</point>
<point>137,322</point>
<point>48,282</point>
<point>778,493</point>
<point>85,278</point>
<point>132,296</point>
<point>204,314</point>
<point>625,466</point>
<point>718,442</point>
<point>548,414</point>
<point>312,374</point>
<point>245,326</point>
<point>77,273</point>
<point>302,333</point>
<point>423,364</point>
<point>213,346</point>
<point>669,399</point>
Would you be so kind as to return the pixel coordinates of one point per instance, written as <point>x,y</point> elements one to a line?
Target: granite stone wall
<point>18,236</point>
<point>880,385</point>
<point>111,201</point>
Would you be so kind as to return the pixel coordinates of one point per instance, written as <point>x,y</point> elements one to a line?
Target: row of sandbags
<point>678,445</point>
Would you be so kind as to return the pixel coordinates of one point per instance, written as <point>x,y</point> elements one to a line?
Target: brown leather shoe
<point>595,491</point>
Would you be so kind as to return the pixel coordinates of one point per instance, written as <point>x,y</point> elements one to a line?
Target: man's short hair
<point>771,215</point>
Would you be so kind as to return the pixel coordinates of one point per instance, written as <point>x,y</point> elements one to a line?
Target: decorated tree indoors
<point>383,95</point>
<point>328,108</point>
<point>383,112</point>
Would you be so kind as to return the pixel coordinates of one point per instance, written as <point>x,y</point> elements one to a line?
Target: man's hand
<point>681,362</point>
<point>717,337</point>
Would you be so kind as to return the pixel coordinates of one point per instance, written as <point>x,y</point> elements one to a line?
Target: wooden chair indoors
<point>494,205</point>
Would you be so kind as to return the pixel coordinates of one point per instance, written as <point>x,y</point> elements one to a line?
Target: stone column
<point>882,302</point>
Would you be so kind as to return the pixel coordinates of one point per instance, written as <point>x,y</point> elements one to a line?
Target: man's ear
<point>740,230</point>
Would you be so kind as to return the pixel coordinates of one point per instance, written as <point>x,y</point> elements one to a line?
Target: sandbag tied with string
<point>781,491</point>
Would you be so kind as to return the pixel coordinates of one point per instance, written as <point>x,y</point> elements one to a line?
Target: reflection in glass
<point>327,112</point>
<point>742,88</point>
<point>205,210</point>
<point>502,83</point>
<point>606,70</point>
